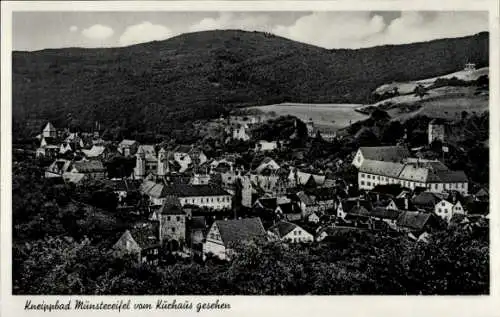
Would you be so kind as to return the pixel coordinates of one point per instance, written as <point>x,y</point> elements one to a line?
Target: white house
<point>264,146</point>
<point>446,209</point>
<point>289,232</point>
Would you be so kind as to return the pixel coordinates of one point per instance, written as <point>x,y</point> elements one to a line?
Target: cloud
<point>362,29</point>
<point>98,32</point>
<point>144,32</point>
<point>73,28</point>
<point>230,20</point>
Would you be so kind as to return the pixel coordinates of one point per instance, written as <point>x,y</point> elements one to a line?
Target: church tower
<point>140,165</point>
<point>162,163</point>
<point>246,191</point>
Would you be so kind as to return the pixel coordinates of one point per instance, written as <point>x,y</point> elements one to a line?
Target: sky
<point>328,29</point>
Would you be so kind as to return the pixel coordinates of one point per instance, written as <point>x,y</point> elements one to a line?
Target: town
<point>180,202</point>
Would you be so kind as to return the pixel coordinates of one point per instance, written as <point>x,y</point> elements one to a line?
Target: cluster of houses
<point>202,206</point>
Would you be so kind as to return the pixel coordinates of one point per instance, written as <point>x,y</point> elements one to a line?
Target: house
<point>426,201</point>
<point>128,147</point>
<point>288,211</point>
<point>58,168</point>
<point>240,132</point>
<point>389,216</point>
<point>289,232</point>
<point>91,169</point>
<point>267,164</point>
<point>122,187</point>
<point>416,221</point>
<point>185,155</point>
<point>65,148</point>
<point>97,151</point>
<point>265,146</point>
<point>225,234</point>
<point>140,241</point>
<point>482,194</point>
<point>313,217</point>
<point>264,203</point>
<point>208,196</point>
<point>48,147</point>
<point>392,154</point>
<point>446,209</point>
<point>346,206</point>
<point>49,131</point>
<point>329,234</point>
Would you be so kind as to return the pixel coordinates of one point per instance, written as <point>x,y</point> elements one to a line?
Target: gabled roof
<point>172,206</point>
<point>189,190</point>
<point>95,151</point>
<point>126,142</point>
<point>413,219</point>
<point>385,153</point>
<point>426,199</point>
<point>89,166</point>
<point>482,192</point>
<point>390,169</point>
<point>49,128</point>
<point>383,213</point>
<point>145,235</point>
<point>238,230</point>
<point>283,228</point>
<point>183,149</point>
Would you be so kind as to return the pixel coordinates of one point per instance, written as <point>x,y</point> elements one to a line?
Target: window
<point>368,183</point>
<point>362,183</point>
<point>439,210</point>
<point>173,229</point>
<point>378,177</point>
<point>178,218</point>
<point>168,218</point>
<point>443,203</point>
<point>368,176</point>
<point>362,175</point>
<point>295,233</point>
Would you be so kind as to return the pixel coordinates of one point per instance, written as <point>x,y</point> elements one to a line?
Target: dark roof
<point>145,235</point>
<point>482,192</point>
<point>183,149</point>
<point>426,199</point>
<point>268,203</point>
<point>400,203</point>
<point>390,189</point>
<point>171,206</point>
<point>358,211</point>
<point>282,228</point>
<point>446,176</point>
<point>349,204</point>
<point>413,219</point>
<point>237,230</point>
<point>289,208</point>
<point>89,166</point>
<point>385,153</point>
<point>189,190</point>
<point>322,193</point>
<point>383,213</point>
<point>378,167</point>
<point>124,185</point>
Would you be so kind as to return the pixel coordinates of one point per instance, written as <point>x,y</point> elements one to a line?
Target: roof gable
<point>237,230</point>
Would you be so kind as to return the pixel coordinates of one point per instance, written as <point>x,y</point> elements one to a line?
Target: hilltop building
<point>436,130</point>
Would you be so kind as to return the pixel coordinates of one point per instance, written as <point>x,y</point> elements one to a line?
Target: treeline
<point>454,262</point>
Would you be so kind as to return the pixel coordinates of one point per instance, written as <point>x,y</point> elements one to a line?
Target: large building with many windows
<point>408,172</point>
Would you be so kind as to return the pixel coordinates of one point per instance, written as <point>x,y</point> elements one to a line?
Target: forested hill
<point>152,86</point>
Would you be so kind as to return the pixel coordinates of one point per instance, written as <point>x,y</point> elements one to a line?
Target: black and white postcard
<point>162,157</point>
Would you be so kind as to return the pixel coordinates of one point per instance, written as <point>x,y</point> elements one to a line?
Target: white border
<point>264,305</point>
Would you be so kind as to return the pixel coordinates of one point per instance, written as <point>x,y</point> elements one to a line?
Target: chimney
<point>406,202</point>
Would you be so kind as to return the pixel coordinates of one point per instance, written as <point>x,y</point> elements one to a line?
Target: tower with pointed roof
<point>49,131</point>
<point>140,165</point>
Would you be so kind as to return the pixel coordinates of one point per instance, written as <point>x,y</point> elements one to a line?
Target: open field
<point>325,115</point>
<point>408,87</point>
